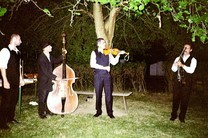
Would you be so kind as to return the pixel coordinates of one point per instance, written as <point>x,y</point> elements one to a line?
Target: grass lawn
<point>147,117</point>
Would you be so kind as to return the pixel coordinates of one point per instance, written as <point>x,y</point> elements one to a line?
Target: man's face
<point>102,44</point>
<point>48,48</point>
<point>17,40</point>
<point>187,49</point>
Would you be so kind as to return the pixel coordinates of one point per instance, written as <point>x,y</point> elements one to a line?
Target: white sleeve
<point>174,67</point>
<point>93,63</point>
<point>4,58</point>
<point>190,69</point>
<point>114,60</point>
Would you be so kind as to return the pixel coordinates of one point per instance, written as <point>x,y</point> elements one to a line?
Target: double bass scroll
<point>63,99</point>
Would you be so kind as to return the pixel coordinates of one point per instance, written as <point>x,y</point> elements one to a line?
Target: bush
<point>128,76</point>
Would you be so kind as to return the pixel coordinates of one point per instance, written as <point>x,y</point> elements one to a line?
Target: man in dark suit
<point>45,77</point>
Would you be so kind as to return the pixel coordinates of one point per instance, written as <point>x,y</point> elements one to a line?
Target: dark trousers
<point>102,79</point>
<point>181,96</point>
<point>9,101</point>
<point>42,99</point>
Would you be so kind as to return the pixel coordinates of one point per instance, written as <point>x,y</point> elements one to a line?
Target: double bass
<point>63,99</point>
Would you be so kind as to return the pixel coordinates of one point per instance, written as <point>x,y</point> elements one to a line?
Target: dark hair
<point>191,46</point>
<point>99,39</point>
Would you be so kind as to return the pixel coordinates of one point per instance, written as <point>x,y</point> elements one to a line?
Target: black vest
<point>13,70</point>
<point>187,77</point>
<point>102,59</point>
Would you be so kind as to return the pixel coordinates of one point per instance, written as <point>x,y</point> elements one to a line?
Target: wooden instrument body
<point>62,99</point>
<point>115,52</point>
<point>63,89</point>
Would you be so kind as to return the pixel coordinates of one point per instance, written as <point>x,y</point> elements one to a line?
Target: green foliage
<point>2,11</point>
<point>190,14</point>
<point>47,12</point>
<point>7,1</point>
<point>126,77</point>
<point>4,5</point>
<point>129,76</point>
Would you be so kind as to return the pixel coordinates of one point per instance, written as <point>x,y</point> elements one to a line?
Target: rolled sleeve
<point>4,58</point>
<point>190,69</point>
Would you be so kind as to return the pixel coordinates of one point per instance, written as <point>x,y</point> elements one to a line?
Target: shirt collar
<point>13,48</point>
<point>47,54</point>
<point>186,56</point>
<point>100,50</point>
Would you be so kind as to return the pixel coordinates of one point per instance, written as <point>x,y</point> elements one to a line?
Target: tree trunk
<point>104,29</point>
<point>111,22</point>
<point>99,21</point>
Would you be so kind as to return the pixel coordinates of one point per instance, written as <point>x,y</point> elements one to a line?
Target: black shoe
<point>172,119</point>
<point>97,114</point>
<point>13,121</point>
<point>111,116</point>
<point>182,120</point>
<point>42,116</point>
<point>5,127</point>
<point>50,113</point>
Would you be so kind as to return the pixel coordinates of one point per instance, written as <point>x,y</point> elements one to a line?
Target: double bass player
<point>45,77</point>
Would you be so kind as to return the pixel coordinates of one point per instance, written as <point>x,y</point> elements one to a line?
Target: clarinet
<point>180,72</point>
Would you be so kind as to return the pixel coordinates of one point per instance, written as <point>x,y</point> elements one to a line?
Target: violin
<point>115,52</point>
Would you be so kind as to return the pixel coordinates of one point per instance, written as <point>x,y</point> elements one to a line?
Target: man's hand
<point>22,82</point>
<point>6,85</point>
<point>64,51</point>
<point>57,79</point>
<point>179,64</point>
<point>107,68</point>
<point>122,52</point>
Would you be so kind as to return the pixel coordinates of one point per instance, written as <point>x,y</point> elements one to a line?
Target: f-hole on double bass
<point>62,99</point>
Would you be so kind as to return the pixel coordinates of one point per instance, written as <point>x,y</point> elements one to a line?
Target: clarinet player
<point>183,67</point>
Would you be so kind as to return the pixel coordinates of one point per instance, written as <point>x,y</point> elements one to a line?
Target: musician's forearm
<point>3,74</point>
<point>21,78</point>
<point>6,84</point>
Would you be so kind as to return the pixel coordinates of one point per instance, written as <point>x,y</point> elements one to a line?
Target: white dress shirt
<point>47,55</point>
<point>189,69</point>
<point>112,60</point>
<point>5,55</point>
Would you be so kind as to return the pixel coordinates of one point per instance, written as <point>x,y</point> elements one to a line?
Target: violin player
<point>102,77</point>
<point>182,87</point>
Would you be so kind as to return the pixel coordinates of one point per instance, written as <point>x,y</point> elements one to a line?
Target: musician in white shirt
<point>102,77</point>
<point>11,80</point>
<point>183,66</point>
